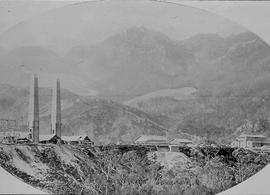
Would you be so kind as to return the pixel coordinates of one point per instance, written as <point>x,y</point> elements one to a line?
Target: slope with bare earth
<point>47,167</point>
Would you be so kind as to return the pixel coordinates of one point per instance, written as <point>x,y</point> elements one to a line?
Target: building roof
<point>74,138</point>
<point>252,135</point>
<point>179,141</point>
<point>262,142</point>
<point>46,137</point>
<point>147,138</point>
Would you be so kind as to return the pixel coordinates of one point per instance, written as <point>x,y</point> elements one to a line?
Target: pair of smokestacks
<point>33,115</point>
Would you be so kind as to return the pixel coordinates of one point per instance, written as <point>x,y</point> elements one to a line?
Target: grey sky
<point>253,15</point>
<point>14,12</point>
<point>92,22</point>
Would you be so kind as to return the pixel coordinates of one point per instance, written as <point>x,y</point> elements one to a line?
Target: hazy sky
<point>91,22</point>
<point>253,15</point>
<point>14,12</point>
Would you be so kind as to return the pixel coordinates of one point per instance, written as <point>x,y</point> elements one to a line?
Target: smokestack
<point>33,114</point>
<point>56,110</point>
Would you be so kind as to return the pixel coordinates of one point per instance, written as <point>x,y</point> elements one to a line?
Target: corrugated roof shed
<point>252,135</point>
<point>74,138</point>
<point>147,138</point>
<point>46,137</point>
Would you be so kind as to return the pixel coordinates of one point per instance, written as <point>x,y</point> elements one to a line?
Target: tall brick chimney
<point>56,110</point>
<point>33,114</point>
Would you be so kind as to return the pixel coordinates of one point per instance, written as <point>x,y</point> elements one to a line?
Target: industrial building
<point>250,141</point>
<point>13,135</point>
<point>160,140</point>
<point>151,140</point>
<point>33,114</point>
<point>162,143</point>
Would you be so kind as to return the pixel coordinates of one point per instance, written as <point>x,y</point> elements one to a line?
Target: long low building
<point>160,140</point>
<point>251,141</point>
<point>162,143</point>
<point>151,140</point>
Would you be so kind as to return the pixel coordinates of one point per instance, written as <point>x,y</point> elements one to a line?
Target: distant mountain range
<point>230,75</point>
<point>205,60</point>
<point>92,22</point>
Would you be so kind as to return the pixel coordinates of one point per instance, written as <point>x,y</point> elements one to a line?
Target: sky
<point>14,12</point>
<point>60,29</point>
<point>255,16</point>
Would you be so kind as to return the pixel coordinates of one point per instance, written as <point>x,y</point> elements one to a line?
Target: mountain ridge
<point>140,61</point>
